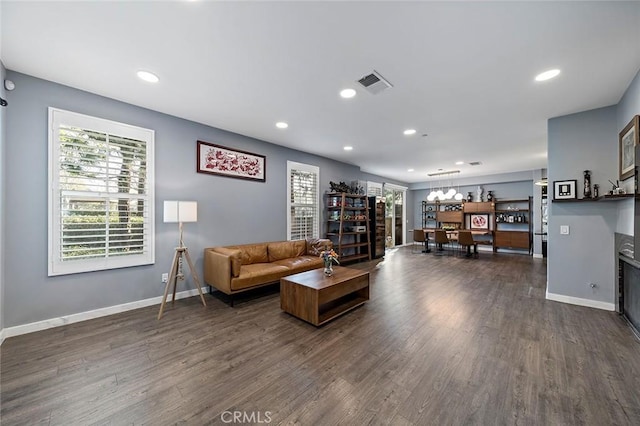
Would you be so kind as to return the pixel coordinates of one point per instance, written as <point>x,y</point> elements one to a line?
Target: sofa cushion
<point>300,263</point>
<point>258,274</point>
<point>316,245</point>
<point>252,253</point>
<point>286,249</point>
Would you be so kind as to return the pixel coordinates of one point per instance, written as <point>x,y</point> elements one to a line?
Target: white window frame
<point>291,166</point>
<point>56,266</point>
<point>374,189</point>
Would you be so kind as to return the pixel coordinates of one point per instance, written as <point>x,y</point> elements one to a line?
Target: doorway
<point>395,215</point>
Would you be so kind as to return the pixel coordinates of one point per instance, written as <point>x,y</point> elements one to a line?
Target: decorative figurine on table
<point>596,190</point>
<point>587,184</point>
<point>469,197</point>
<point>489,195</point>
<point>480,192</point>
<point>328,257</point>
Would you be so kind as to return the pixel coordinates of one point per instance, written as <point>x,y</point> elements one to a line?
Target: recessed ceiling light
<point>459,163</point>
<point>409,170</point>
<point>348,148</point>
<point>347,93</point>
<point>148,76</point>
<point>410,132</point>
<point>547,75</point>
<point>281,125</point>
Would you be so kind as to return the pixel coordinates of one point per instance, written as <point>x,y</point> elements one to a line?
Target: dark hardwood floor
<point>443,341</point>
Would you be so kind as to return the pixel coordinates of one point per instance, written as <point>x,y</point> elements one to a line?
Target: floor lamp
<point>180,212</point>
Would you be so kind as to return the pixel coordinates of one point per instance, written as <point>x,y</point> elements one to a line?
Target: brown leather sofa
<point>234,269</point>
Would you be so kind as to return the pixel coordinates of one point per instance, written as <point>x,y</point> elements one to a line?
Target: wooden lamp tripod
<point>180,211</point>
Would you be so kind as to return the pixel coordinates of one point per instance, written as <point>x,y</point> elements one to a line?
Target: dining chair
<point>465,239</point>
<point>419,237</point>
<point>441,239</point>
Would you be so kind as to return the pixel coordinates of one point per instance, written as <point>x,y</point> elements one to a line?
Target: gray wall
<point>577,142</point>
<point>3,121</point>
<point>628,107</point>
<point>231,211</point>
<point>588,140</point>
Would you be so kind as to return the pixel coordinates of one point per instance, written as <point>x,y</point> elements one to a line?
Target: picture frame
<point>564,189</point>
<point>628,139</point>
<point>229,162</point>
<point>479,221</point>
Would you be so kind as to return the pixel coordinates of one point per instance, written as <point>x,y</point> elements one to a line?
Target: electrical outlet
<point>165,277</point>
<point>564,229</point>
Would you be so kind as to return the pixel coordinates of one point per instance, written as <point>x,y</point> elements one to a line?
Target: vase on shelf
<point>328,267</point>
<point>587,184</point>
<point>489,195</point>
<point>469,197</point>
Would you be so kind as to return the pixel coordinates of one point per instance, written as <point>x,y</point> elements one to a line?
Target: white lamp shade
<point>180,211</point>
<point>458,196</point>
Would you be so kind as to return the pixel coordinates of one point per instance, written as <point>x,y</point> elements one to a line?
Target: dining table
<point>452,234</point>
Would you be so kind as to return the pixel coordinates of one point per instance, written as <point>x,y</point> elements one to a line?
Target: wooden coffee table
<point>316,298</point>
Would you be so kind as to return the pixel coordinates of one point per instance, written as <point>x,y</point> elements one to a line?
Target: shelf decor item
<point>629,137</point>
<point>469,197</point>
<point>489,195</point>
<point>220,160</point>
<point>479,221</point>
<point>329,257</point>
<point>596,190</point>
<point>587,184</point>
<point>564,189</point>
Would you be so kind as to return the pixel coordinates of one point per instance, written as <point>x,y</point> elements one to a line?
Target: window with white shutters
<point>374,189</point>
<point>101,194</point>
<point>302,201</point>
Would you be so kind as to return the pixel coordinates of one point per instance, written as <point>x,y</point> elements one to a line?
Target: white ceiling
<point>463,72</point>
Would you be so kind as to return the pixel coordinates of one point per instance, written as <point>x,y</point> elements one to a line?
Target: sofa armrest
<point>217,270</point>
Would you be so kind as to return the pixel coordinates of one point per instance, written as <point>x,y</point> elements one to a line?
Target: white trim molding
<point>1,336</point>
<point>580,301</point>
<point>538,256</point>
<point>97,313</point>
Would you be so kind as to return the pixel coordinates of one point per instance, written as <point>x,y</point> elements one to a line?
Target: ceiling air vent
<point>374,83</point>
<point>475,163</point>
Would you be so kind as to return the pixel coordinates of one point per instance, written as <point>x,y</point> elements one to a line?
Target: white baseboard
<point>581,302</point>
<point>84,316</point>
<point>538,256</point>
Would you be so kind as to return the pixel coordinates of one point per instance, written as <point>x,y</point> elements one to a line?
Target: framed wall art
<point>479,221</point>
<point>221,160</point>
<point>564,189</point>
<point>629,137</point>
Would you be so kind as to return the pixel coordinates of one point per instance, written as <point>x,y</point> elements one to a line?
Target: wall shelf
<point>592,200</point>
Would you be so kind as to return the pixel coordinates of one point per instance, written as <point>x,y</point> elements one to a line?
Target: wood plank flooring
<point>443,341</point>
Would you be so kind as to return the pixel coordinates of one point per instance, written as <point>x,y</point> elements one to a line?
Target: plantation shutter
<point>374,189</point>
<point>303,201</point>
<point>101,201</point>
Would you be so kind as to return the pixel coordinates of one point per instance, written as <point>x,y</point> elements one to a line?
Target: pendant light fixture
<point>439,193</point>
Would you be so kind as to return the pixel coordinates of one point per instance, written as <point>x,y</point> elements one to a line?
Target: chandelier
<point>439,193</point>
